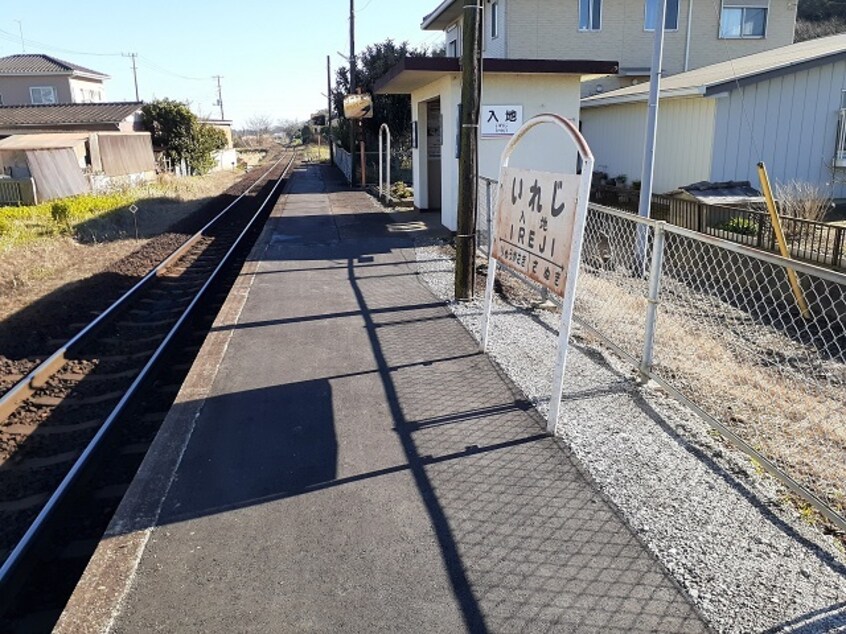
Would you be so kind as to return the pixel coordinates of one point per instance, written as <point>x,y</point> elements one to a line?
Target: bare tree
<point>259,125</point>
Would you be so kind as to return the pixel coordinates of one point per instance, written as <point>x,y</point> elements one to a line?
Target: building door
<point>434,141</point>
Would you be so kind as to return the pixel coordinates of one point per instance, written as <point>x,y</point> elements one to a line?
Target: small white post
<point>384,192</point>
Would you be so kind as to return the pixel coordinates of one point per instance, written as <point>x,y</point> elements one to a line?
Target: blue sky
<point>272,55</point>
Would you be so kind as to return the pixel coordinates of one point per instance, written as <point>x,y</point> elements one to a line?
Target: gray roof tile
<point>30,64</point>
<point>67,113</point>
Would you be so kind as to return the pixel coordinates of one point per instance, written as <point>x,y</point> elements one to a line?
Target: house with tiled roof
<point>37,79</point>
<point>123,116</point>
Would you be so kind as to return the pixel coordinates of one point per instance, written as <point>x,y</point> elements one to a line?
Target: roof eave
<point>435,67</point>
<point>428,23</point>
<point>612,100</point>
<point>97,76</point>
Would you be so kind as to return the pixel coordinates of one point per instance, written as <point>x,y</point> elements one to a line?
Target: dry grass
<point>792,419</point>
<point>38,257</point>
<point>809,201</point>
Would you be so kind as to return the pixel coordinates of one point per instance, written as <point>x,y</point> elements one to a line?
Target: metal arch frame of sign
<point>384,193</point>
<point>574,257</point>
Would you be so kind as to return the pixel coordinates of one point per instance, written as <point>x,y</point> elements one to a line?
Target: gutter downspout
<point>687,40</point>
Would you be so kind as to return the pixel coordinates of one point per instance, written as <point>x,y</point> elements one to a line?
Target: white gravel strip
<point>746,562</point>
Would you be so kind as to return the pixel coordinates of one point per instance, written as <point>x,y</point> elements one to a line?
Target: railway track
<point>75,429</point>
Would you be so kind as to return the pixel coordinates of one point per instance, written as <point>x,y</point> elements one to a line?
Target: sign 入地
<point>500,120</point>
<point>533,233</point>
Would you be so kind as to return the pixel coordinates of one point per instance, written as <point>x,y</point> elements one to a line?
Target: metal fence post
<point>652,308</point>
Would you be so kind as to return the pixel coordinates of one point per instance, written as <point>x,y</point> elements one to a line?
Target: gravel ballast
<point>749,563</point>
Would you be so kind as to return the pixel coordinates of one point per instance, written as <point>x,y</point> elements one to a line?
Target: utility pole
<point>645,203</point>
<point>219,95</point>
<point>329,110</point>
<point>652,113</point>
<point>21,31</point>
<point>134,73</point>
<point>468,187</point>
<point>353,123</point>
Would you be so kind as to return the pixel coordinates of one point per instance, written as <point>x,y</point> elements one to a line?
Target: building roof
<point>39,64</point>
<point>720,193</point>
<point>43,141</point>
<point>411,73</point>
<point>444,14</point>
<point>67,114</point>
<point>732,74</point>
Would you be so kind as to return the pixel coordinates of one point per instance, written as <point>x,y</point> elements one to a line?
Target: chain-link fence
<point>722,328</point>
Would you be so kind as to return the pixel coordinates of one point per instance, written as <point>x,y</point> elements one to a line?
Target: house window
<point>494,20</point>
<point>840,148</point>
<point>741,19</point>
<point>42,94</point>
<point>590,15</point>
<point>452,41</point>
<point>650,15</point>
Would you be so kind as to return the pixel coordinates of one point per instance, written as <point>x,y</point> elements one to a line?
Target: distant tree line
<point>820,18</point>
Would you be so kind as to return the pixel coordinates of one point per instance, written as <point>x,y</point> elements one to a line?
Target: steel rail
<point>16,556</point>
<point>39,375</point>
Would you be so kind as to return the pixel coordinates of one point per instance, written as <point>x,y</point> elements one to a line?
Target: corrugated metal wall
<point>56,173</point>
<point>617,135</point>
<point>123,154</point>
<point>789,122</point>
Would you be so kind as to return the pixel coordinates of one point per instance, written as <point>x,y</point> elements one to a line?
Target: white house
<point>513,91</point>
<point>786,107</point>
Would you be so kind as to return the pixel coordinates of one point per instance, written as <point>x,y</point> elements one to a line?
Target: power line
<point>156,67</point>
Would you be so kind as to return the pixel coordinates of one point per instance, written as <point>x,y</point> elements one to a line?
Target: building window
<point>452,41</point>
<point>650,15</point>
<point>740,19</point>
<point>840,148</point>
<point>590,15</point>
<point>42,94</point>
<point>494,20</point>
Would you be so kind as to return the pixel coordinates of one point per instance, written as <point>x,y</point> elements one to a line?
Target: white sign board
<point>358,106</point>
<point>500,120</point>
<point>533,233</point>
<point>538,229</point>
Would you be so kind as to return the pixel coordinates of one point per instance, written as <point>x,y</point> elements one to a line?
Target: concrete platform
<point>343,459</point>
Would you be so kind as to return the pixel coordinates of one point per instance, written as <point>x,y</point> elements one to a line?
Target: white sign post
<point>538,228</point>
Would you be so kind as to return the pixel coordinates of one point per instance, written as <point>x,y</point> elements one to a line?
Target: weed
<point>741,226</point>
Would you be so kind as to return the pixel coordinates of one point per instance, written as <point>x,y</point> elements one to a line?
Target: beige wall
<point>81,90</point>
<point>548,29</point>
<point>15,90</point>
<point>685,140</point>
<point>543,148</point>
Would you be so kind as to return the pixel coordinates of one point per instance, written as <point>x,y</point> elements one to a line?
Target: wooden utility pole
<point>220,96</point>
<point>353,123</point>
<point>471,93</point>
<point>134,72</point>
<point>329,110</point>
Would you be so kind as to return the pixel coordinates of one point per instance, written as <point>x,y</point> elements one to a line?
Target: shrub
<point>61,213</point>
<point>401,191</point>
<point>741,226</point>
<point>6,227</point>
<point>798,199</point>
